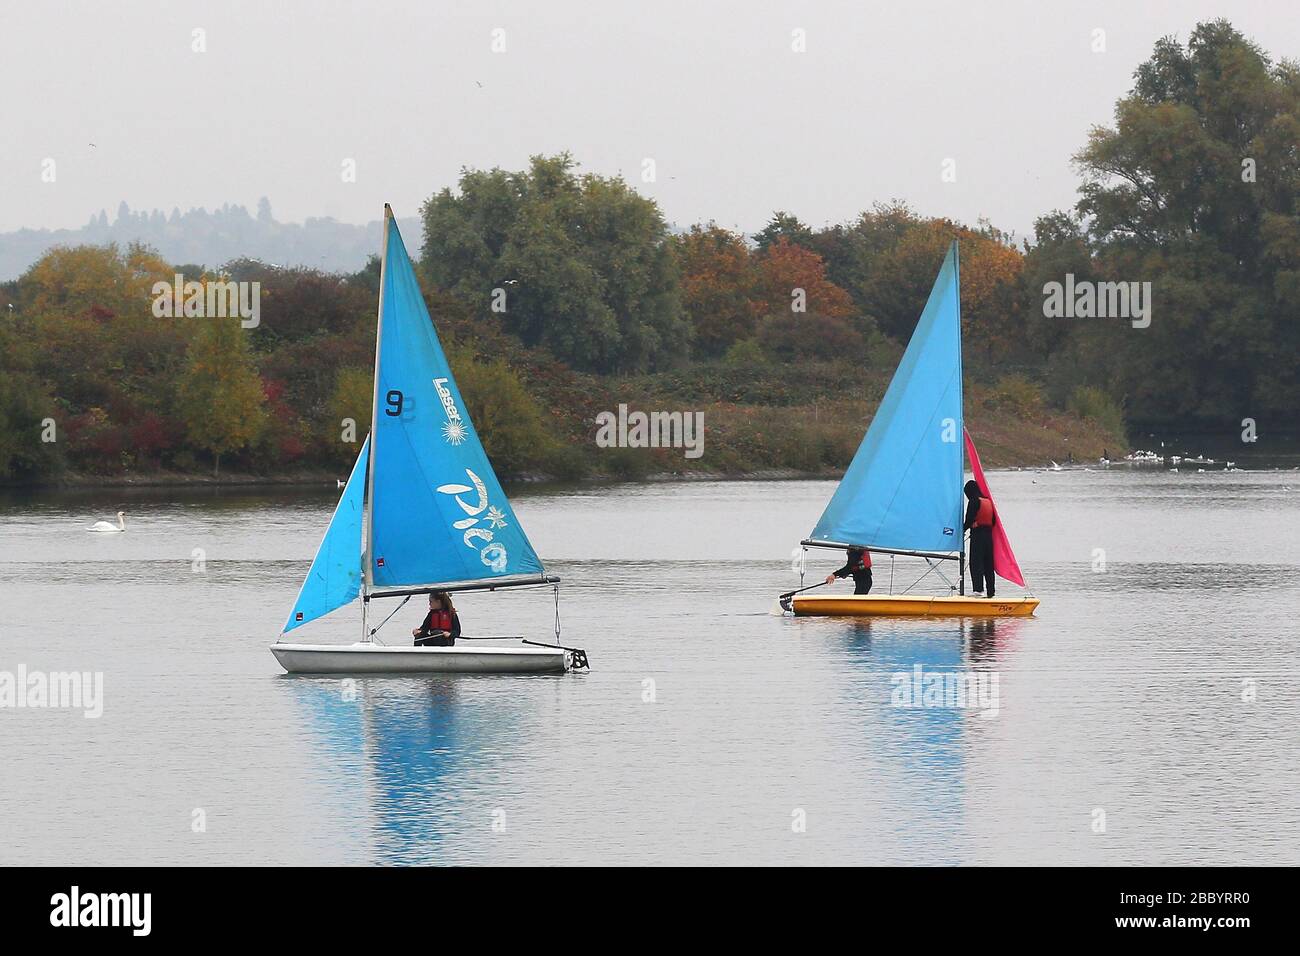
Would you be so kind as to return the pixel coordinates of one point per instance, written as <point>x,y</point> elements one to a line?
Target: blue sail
<point>438,514</point>
<point>334,578</point>
<point>903,488</point>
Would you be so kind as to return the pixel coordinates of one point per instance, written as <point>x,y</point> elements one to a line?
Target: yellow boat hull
<point>911,605</point>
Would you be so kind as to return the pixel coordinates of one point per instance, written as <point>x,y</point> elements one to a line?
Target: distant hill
<point>199,237</point>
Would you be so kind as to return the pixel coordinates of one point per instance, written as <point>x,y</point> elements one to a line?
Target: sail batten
<point>902,491</point>
<point>334,578</point>
<point>437,512</point>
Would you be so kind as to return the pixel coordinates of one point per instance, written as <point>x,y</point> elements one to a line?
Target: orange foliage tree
<point>719,280</point>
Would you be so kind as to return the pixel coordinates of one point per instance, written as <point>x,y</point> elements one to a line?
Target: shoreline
<point>77,482</point>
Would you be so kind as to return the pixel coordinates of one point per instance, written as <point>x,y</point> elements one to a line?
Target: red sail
<point>1004,560</point>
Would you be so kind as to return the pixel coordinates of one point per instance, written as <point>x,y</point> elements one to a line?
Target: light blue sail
<point>334,578</point>
<point>903,488</point>
<point>438,514</point>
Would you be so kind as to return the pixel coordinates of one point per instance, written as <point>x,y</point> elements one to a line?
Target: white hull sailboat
<point>374,658</point>
<point>422,511</point>
<point>902,493</point>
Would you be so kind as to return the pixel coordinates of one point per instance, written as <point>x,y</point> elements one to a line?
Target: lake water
<point>1148,714</point>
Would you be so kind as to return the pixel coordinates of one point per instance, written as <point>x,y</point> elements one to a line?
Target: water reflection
<point>920,748</point>
<point>400,743</point>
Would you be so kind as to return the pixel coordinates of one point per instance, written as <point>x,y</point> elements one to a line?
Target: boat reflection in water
<point>931,696</point>
<point>407,751</point>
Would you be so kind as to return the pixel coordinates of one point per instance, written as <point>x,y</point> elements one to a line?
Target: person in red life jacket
<point>980,519</point>
<point>858,565</point>
<point>441,626</point>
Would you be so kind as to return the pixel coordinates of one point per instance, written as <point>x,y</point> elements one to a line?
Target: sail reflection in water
<point>922,749</point>
<point>415,744</point>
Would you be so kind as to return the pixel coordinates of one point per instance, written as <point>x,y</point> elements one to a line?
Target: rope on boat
<point>557,615</point>
<point>933,568</point>
<point>375,630</point>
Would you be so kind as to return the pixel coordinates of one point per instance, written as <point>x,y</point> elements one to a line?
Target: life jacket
<point>863,563</point>
<point>440,620</point>
<point>984,516</point>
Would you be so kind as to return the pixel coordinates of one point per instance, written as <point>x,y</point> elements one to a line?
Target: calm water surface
<point>1121,702</point>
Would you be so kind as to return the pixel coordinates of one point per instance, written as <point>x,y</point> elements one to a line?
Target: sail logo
<point>454,431</point>
<point>969,690</point>
<point>74,908</point>
<point>1085,299</point>
<point>483,521</point>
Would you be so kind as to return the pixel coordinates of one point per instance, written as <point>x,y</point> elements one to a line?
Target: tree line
<point>556,289</point>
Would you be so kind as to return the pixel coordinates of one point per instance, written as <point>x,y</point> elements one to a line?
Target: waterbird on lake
<point>109,526</point>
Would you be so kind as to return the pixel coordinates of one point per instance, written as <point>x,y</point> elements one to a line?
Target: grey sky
<point>737,123</point>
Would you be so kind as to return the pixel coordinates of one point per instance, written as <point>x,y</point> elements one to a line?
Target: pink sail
<point>1004,560</point>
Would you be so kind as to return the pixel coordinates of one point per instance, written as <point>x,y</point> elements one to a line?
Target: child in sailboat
<point>980,519</point>
<point>858,565</point>
<point>441,625</point>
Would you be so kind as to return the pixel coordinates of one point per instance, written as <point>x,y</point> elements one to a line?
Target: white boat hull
<point>385,659</point>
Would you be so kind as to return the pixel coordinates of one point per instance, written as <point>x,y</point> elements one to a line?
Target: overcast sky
<point>737,122</point>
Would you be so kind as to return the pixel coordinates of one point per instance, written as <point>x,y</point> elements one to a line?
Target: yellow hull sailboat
<point>902,493</point>
<point>911,605</point>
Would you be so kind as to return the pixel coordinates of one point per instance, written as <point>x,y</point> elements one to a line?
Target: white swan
<point>109,526</point>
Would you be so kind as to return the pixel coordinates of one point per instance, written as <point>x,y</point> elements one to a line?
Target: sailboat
<point>902,493</point>
<point>421,511</point>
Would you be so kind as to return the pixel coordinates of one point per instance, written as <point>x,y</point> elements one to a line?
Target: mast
<point>367,582</point>
<point>961,407</point>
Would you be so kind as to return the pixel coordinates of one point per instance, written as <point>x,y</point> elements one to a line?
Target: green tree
<point>785,226</point>
<point>220,396</point>
<point>24,409</point>
<point>353,398</point>
<point>1195,189</point>
<point>578,264</point>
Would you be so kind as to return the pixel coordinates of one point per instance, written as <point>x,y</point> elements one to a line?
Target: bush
<point>1092,404</point>
<point>506,417</point>
<point>816,337</point>
<point>1018,395</point>
<point>745,352</point>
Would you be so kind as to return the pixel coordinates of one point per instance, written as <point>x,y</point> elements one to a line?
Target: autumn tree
<point>901,279</point>
<point>719,284</point>
<point>220,396</point>
<point>801,305</point>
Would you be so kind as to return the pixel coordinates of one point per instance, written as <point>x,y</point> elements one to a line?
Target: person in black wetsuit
<point>858,565</point>
<point>980,519</point>
<point>441,625</point>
